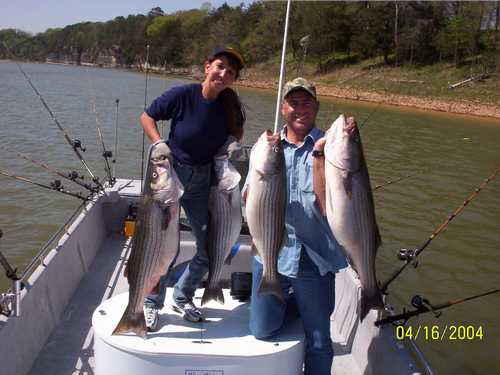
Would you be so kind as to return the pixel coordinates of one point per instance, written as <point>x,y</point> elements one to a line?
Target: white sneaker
<point>188,310</point>
<point>151,316</point>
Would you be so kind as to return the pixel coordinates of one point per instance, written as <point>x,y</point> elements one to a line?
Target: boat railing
<point>38,260</point>
<point>49,245</point>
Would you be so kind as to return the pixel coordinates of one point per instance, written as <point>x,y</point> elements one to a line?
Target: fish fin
<point>271,287</point>
<point>229,259</point>
<point>378,238</point>
<point>347,181</point>
<point>283,240</point>
<point>125,271</point>
<point>212,293</point>
<point>319,185</point>
<point>167,217</point>
<point>370,302</point>
<point>131,322</point>
<point>253,250</point>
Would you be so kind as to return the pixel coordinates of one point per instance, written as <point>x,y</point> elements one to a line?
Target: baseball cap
<point>299,83</point>
<point>228,51</point>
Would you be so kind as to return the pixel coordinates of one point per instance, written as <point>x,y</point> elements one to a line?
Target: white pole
<point>117,101</point>
<point>282,68</point>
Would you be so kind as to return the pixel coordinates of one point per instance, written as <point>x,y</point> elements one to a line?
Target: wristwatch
<point>318,154</point>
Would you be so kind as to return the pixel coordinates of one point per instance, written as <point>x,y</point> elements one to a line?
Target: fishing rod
<point>10,302</point>
<point>117,101</point>
<point>423,306</point>
<point>75,143</point>
<point>105,153</point>
<point>145,104</point>
<point>10,272</point>
<point>71,176</point>
<point>162,123</point>
<point>410,256</point>
<point>282,68</point>
<point>54,185</point>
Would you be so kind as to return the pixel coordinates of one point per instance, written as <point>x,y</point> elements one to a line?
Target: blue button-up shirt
<point>306,227</point>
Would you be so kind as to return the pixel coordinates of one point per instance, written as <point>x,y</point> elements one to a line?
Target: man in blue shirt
<point>310,256</point>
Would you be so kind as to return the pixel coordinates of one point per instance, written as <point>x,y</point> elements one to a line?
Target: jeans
<point>196,182</point>
<point>310,296</point>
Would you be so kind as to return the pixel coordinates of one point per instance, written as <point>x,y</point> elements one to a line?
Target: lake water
<point>450,156</point>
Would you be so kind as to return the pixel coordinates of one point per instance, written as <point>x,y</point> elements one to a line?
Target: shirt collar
<point>314,134</point>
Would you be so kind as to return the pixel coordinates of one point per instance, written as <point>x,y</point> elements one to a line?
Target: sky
<point>36,16</point>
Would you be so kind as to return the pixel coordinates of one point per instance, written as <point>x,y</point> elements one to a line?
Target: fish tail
<point>370,302</point>
<point>212,293</point>
<point>271,286</point>
<point>131,322</point>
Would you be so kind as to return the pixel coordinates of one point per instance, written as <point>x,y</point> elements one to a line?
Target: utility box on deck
<point>221,345</point>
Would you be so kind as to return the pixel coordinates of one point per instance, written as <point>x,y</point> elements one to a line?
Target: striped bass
<point>349,207</point>
<point>224,207</point>
<point>265,206</point>
<point>155,242</point>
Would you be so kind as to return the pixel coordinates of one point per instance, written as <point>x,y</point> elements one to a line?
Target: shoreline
<point>429,104</point>
<point>464,107</point>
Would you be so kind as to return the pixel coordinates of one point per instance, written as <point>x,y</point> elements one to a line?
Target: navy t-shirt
<point>198,127</point>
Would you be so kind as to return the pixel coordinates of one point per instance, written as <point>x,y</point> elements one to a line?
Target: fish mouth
<point>272,138</point>
<point>159,176</point>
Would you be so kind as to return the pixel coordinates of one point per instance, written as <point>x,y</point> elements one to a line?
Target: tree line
<point>325,34</point>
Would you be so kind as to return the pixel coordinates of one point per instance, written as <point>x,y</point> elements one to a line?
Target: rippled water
<point>450,155</point>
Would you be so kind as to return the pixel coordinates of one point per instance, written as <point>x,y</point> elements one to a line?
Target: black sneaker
<point>188,310</point>
<point>151,316</point>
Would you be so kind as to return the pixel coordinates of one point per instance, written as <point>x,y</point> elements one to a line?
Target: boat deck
<point>70,348</point>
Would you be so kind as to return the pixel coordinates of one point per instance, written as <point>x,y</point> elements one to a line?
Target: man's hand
<point>161,151</point>
<point>232,148</point>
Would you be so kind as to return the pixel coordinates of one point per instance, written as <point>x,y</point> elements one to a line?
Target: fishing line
<point>282,68</point>
<point>145,104</point>
<point>409,256</point>
<point>370,115</point>
<point>105,153</point>
<point>393,181</point>
<point>76,143</point>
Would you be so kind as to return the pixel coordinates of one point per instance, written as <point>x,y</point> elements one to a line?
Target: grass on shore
<point>429,81</point>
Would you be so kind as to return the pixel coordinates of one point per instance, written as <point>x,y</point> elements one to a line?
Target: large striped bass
<point>349,207</point>
<point>155,241</point>
<point>224,207</point>
<point>265,206</point>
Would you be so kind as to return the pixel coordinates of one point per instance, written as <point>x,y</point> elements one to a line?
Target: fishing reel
<point>422,303</point>
<point>107,154</point>
<point>56,185</point>
<point>77,144</point>
<point>73,175</point>
<point>409,256</point>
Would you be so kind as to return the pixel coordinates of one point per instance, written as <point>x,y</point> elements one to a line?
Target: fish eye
<point>154,175</point>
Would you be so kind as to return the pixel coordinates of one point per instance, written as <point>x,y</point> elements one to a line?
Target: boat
<point>74,293</point>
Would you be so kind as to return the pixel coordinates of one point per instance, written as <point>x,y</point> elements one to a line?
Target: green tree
<point>165,37</point>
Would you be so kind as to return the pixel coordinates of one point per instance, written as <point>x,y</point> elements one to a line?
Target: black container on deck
<point>241,285</point>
